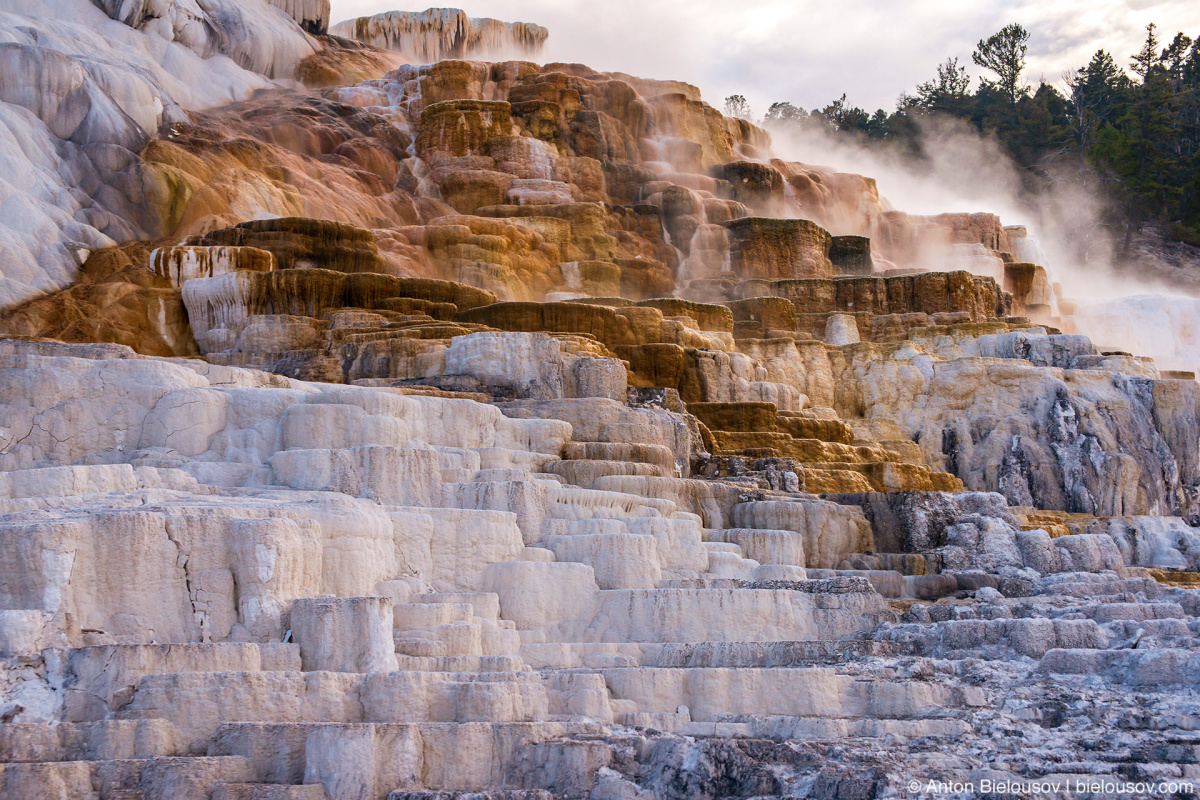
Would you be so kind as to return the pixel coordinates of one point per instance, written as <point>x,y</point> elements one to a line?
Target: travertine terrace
<point>383,431</point>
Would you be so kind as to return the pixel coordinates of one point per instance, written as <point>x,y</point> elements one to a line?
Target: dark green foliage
<point>1135,136</point>
<point>949,92</point>
<point>1004,54</point>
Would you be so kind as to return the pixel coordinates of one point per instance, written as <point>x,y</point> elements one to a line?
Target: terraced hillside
<point>504,430</point>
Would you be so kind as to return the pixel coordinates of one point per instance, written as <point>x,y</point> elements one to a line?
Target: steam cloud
<point>963,171</point>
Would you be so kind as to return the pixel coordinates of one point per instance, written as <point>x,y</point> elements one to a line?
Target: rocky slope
<point>488,429</point>
<point>84,87</point>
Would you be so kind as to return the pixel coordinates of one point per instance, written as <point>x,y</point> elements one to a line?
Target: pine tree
<point>1147,58</point>
<point>1098,94</point>
<point>1151,125</point>
<point>1191,68</point>
<point>948,92</point>
<point>1174,59</point>
<point>1004,54</point>
<point>1189,140</point>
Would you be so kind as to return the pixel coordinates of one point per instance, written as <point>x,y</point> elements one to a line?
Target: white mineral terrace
<point>219,581</point>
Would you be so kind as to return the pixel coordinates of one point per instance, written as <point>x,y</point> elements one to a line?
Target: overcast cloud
<point>808,52</point>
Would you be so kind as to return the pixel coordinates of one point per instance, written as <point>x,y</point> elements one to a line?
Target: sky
<point>809,52</point>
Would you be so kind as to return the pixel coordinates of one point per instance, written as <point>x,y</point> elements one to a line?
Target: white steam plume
<point>963,171</point>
